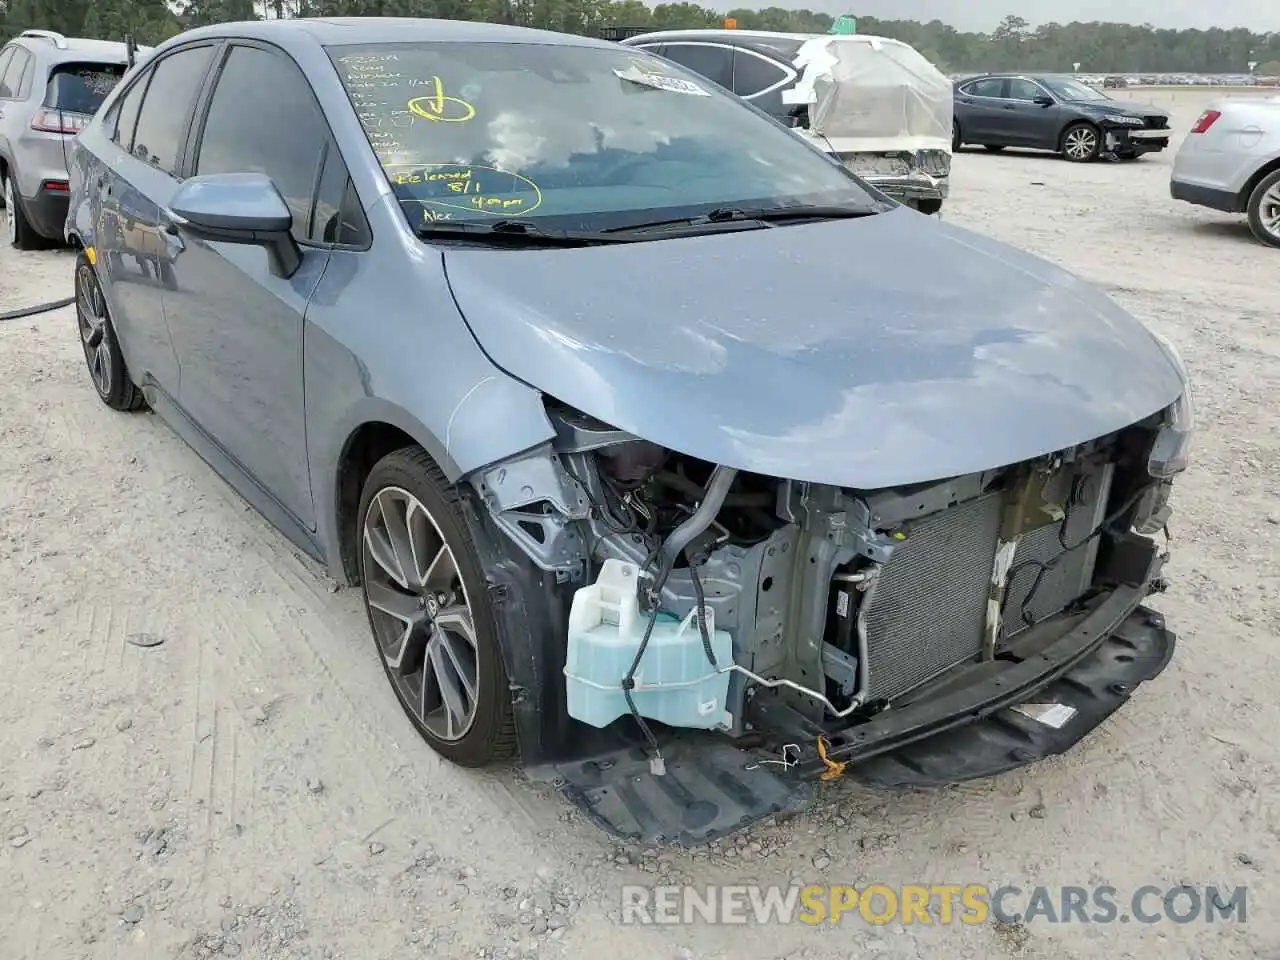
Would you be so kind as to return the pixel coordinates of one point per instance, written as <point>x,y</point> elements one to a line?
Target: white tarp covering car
<point>874,103</point>
<point>882,107</point>
<point>873,94</point>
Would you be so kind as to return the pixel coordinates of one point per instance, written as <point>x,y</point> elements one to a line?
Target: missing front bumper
<point>1127,140</point>
<point>713,788</point>
<point>916,186</point>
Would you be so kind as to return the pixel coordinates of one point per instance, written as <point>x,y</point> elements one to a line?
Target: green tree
<point>1011,45</point>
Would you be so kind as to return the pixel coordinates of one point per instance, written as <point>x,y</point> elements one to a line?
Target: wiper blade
<point>765,215</point>
<point>810,212</point>
<point>510,232</point>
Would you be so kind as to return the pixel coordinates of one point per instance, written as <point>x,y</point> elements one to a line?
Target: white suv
<point>1230,161</point>
<point>50,86</point>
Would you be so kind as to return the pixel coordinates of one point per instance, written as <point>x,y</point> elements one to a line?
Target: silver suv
<point>50,86</point>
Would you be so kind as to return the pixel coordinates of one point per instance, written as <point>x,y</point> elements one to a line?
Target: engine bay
<point>827,606</point>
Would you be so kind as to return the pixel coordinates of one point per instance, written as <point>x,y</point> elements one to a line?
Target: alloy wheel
<point>91,315</point>
<point>10,221</point>
<point>1269,211</point>
<point>421,615</point>
<point>1080,143</point>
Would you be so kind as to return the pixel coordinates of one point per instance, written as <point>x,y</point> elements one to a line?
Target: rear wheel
<point>1081,143</point>
<point>1264,210</point>
<point>427,603</point>
<point>102,353</point>
<point>18,231</point>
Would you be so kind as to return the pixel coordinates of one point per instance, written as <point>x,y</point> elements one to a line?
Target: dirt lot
<point>250,788</point>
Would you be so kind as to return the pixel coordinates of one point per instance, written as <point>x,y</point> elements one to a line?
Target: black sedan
<point>1054,113</point>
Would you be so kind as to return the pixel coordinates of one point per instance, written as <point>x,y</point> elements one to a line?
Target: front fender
<point>384,343</point>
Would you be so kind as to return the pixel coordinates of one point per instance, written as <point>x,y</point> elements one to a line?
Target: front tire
<point>957,138</point>
<point>1264,210</point>
<point>107,369</point>
<point>1081,143</point>
<point>427,603</point>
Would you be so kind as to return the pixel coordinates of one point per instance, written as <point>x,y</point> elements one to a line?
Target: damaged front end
<point>688,643</point>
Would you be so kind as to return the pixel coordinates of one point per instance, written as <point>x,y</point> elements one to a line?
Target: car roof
<point>726,34</point>
<point>1017,76</point>
<point>340,31</point>
<point>57,48</point>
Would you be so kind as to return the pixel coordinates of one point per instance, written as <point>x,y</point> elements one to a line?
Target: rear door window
<point>713,62</point>
<point>761,81</point>
<point>989,87</point>
<point>753,74</point>
<point>7,59</point>
<point>162,122</point>
<point>126,113</point>
<point>21,74</point>
<point>81,87</point>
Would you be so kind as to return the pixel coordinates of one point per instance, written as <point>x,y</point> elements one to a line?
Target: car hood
<point>1123,109</point>
<point>865,353</point>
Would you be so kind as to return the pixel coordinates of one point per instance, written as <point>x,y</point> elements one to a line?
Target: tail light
<point>56,186</point>
<point>59,121</point>
<point>1207,120</point>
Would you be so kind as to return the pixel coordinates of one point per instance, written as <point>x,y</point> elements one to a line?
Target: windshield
<point>572,136</point>
<point>81,88</point>
<point>1073,89</point>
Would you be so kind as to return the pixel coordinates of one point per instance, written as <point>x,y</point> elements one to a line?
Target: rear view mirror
<point>239,208</point>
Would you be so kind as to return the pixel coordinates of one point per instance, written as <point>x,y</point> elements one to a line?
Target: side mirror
<point>1043,101</point>
<point>239,208</point>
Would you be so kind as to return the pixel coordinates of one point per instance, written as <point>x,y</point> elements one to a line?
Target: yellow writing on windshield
<point>463,186</point>
<point>439,108</point>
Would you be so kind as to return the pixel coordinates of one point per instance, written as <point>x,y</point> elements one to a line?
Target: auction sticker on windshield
<point>660,82</point>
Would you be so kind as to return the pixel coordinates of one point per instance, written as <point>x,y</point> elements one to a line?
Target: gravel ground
<point>248,787</point>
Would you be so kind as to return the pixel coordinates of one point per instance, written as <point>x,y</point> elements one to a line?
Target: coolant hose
<point>683,535</point>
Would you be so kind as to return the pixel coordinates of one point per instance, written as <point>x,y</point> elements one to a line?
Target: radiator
<point>928,611</point>
<point>929,606</point>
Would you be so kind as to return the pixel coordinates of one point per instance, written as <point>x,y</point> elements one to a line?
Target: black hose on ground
<point>37,309</point>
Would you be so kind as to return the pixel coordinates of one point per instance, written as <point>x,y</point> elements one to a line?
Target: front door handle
<point>1010,106</point>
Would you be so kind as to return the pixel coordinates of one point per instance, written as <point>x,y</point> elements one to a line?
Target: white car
<point>1230,161</point>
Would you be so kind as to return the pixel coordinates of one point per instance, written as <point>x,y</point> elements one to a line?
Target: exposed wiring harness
<point>653,603</point>
<point>656,764</point>
<point>1045,566</point>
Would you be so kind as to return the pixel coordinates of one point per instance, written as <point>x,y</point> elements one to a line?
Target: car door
<point>237,326</point>
<point>1027,123</point>
<point>712,60</point>
<point>979,105</point>
<point>148,126</point>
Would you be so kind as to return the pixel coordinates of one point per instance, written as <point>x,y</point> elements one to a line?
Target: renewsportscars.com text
<point>932,904</point>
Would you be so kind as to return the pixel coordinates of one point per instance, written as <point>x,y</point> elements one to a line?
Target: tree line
<point>1011,45</point>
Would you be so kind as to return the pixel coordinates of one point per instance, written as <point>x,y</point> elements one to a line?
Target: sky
<point>982,15</point>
